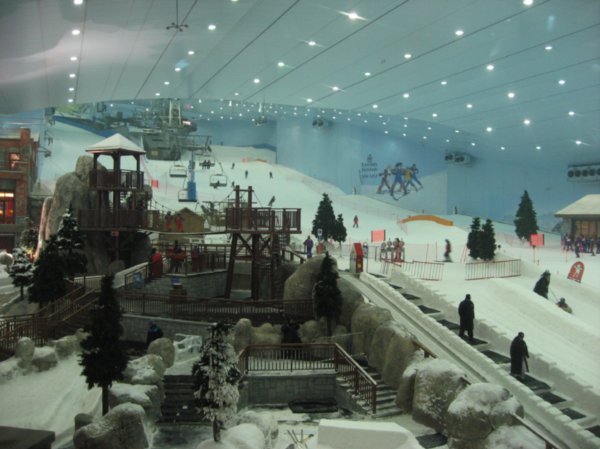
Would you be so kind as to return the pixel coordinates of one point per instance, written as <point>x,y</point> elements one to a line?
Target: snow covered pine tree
<point>21,271</point>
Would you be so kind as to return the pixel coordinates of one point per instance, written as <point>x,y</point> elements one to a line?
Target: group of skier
<point>401,176</point>
<point>392,251</point>
<point>581,244</point>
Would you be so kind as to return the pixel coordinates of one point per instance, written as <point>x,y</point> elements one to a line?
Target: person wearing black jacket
<point>518,355</point>
<point>542,285</point>
<point>154,333</point>
<point>466,312</point>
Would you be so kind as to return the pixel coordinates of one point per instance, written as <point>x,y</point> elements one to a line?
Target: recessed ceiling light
<point>571,113</point>
<point>405,118</point>
<point>280,64</point>
<point>434,115</point>
<point>469,106</point>
<point>578,142</point>
<point>459,32</point>
<point>312,43</point>
<point>443,83</point>
<point>73,58</point>
<point>406,95</point>
<point>348,118</point>
<point>405,125</point>
<point>191,52</point>
<point>384,123</point>
<point>157,94</point>
<point>76,32</point>
<point>561,82</point>
<point>335,88</point>
<point>70,100</point>
<point>447,140</point>
<point>365,121</point>
<point>472,144</point>
<point>457,131</point>
<point>352,15</point>
<point>489,129</point>
<point>527,122</point>
<point>178,69</point>
<point>71,89</point>
<point>407,56</point>
<point>236,94</point>
<point>424,137</point>
<point>358,114</point>
<point>548,47</point>
<point>510,95</point>
<point>166,83</point>
<point>367,73</point>
<point>72,75</point>
<point>385,132</point>
<point>538,147</point>
<point>212,27</point>
<point>256,80</point>
<point>77,2</point>
<point>528,2</point>
<point>503,148</point>
<point>375,106</point>
<point>309,100</point>
<point>199,100</point>
<point>403,134</point>
<point>429,128</point>
<point>490,67</point>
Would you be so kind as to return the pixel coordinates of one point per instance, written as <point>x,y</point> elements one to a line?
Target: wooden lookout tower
<point>258,236</point>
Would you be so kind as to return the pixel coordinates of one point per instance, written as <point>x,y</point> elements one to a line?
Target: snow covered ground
<point>571,342</point>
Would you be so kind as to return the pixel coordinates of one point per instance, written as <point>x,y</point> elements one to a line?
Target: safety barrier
<point>492,269</point>
<point>427,271</point>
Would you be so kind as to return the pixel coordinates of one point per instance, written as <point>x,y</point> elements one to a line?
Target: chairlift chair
<point>218,180</point>
<point>178,171</point>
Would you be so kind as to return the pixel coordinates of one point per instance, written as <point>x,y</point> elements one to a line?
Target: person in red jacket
<point>168,221</point>
<point>156,264</point>
<point>179,222</point>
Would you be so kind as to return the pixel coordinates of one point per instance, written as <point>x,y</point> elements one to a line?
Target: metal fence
<point>492,269</point>
<point>427,271</point>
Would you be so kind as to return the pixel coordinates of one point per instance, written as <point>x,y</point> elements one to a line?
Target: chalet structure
<point>582,217</point>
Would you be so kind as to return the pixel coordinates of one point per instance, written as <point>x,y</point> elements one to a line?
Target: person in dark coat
<point>466,312</point>
<point>154,333</point>
<point>518,355</point>
<point>542,285</point>
<point>290,332</point>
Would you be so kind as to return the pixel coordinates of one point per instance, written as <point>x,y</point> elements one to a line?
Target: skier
<point>542,285</point>
<point>232,165</point>
<point>271,201</point>
<point>179,223</point>
<point>415,170</point>
<point>246,174</point>
<point>447,251</point>
<point>355,225</point>
<point>309,246</point>
<point>169,221</point>
<point>271,175</point>
<point>398,178</point>
<point>466,312</point>
<point>564,306</point>
<point>518,355</point>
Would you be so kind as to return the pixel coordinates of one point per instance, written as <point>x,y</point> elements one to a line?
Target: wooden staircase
<point>178,406</point>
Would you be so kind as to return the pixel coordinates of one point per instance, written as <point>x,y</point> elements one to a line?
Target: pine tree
<point>103,359</point>
<point>487,244</point>
<point>474,238</point>
<point>340,233</point>
<point>325,218</point>
<point>29,237</point>
<point>70,243</point>
<point>216,377</point>
<point>327,295</point>
<point>525,221</point>
<point>21,271</point>
<point>48,282</point>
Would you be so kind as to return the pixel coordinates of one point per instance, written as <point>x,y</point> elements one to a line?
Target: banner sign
<point>368,172</point>
<point>537,239</point>
<point>378,235</point>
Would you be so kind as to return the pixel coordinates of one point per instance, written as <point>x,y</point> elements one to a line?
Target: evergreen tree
<point>525,221</point>
<point>487,244</point>
<point>325,218</point>
<point>474,238</point>
<point>70,243</point>
<point>103,359</point>
<point>340,233</point>
<point>327,295</point>
<point>48,282</point>
<point>29,237</point>
<point>216,377</point>
<point>21,271</point>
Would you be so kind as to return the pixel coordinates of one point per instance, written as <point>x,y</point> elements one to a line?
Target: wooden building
<point>581,217</point>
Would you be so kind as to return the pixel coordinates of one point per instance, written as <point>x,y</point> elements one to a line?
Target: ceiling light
<point>157,94</point>
<point>429,128</point>
<point>571,113</point>
<point>256,80</point>
<point>199,100</point>
<point>406,95</point>
<point>510,95</point>
<point>403,134</point>
<point>407,56</point>
<point>405,125</point>
<point>443,83</point>
<point>367,73</point>
<point>309,100</point>
<point>561,82</point>
<point>166,83</point>
<point>503,148</point>
<point>472,144</point>
<point>365,121</point>
<point>469,106</point>
<point>191,52</point>
<point>385,132</point>
<point>459,32</point>
<point>548,47</point>
<point>578,142</point>
<point>178,69</point>
<point>538,147</point>
<point>424,137</point>
<point>76,32</point>
<point>335,88</point>
<point>73,58</point>
<point>71,89</point>
<point>212,27</point>
<point>236,94</point>
<point>77,2</point>
<point>352,15</point>
<point>72,75</point>
<point>527,122</point>
<point>489,129</point>
<point>312,43</point>
<point>348,118</point>
<point>528,2</point>
<point>375,106</point>
<point>405,118</point>
<point>490,67</point>
<point>457,131</point>
<point>384,123</point>
<point>434,115</point>
<point>70,100</point>
<point>280,64</point>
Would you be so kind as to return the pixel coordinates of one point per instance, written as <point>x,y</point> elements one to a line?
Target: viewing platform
<point>264,220</point>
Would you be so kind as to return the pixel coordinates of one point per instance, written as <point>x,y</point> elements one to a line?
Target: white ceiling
<point>125,52</point>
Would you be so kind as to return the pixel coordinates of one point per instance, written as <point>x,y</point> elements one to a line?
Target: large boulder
<point>266,334</point>
<point>24,350</point>
<point>70,191</point>
<point>351,300</point>
<point>84,166</point>
<point>146,370</point>
<point>242,334</point>
<point>66,346</point>
<point>365,320</point>
<point>164,348</point>
<point>436,385</point>
<point>300,284</point>
<point>242,436</point>
<point>379,344</point>
<point>265,421</point>
<point>44,358</point>
<point>401,351</point>
<point>148,396</point>
<point>312,330</point>
<point>406,385</point>
<point>121,428</point>
<point>477,411</point>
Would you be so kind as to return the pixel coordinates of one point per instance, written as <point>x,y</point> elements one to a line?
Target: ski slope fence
<point>493,269</point>
<point>426,271</point>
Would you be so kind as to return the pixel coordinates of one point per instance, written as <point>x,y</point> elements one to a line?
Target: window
<point>7,207</point>
<point>14,159</point>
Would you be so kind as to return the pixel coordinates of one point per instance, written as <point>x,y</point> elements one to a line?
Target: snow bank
<point>242,436</point>
<point>341,434</point>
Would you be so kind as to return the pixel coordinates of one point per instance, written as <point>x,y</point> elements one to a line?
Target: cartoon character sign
<point>576,272</point>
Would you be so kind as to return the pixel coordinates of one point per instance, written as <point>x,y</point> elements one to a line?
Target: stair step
<point>534,384</point>
<point>427,310</point>
<point>449,324</point>
<point>432,440</point>
<point>550,397</point>
<point>496,357</point>
<point>410,296</point>
<point>573,414</point>
<point>595,430</point>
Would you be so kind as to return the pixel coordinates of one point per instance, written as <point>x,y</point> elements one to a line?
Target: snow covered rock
<point>9,369</point>
<point>44,358</point>
<point>83,419</point>
<point>242,436</point>
<point>437,384</point>
<point>66,346</point>
<point>265,421</point>
<point>311,330</point>
<point>477,411</point>
<point>507,437</point>
<point>146,370</point>
<point>379,344</point>
<point>351,300</point>
<point>164,348</point>
<point>24,352</point>
<point>399,354</point>
<point>266,334</point>
<point>343,434</point>
<point>148,396</point>
<point>121,428</point>
<point>406,386</point>
<point>242,334</point>
<point>300,284</point>
<point>365,321</point>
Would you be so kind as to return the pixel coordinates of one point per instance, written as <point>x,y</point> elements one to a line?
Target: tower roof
<point>116,144</point>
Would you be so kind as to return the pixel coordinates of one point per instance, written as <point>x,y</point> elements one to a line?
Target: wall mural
<point>395,179</point>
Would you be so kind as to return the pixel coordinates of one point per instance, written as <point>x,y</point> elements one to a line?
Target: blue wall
<point>240,133</point>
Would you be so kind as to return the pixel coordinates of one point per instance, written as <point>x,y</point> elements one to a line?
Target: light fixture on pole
<point>176,25</point>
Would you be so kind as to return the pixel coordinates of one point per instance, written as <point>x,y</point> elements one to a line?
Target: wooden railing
<point>492,269</point>
<point>120,219</point>
<point>263,220</point>
<point>313,357</point>
<point>292,254</point>
<point>111,180</point>
<point>210,309</point>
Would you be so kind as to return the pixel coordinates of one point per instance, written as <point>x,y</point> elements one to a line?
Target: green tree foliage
<point>49,282</point>
<point>526,221</point>
<point>21,271</point>
<point>70,243</point>
<point>340,233</point>
<point>327,295</point>
<point>216,378</point>
<point>325,218</point>
<point>487,243</point>
<point>474,238</point>
<point>103,359</point>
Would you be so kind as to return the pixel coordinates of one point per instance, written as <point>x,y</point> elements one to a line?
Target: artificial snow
<point>342,434</point>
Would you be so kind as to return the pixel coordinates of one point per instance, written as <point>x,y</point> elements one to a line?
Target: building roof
<point>116,144</point>
<point>588,206</point>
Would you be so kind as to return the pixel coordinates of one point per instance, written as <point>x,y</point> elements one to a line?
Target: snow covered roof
<point>589,206</point>
<point>116,144</point>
